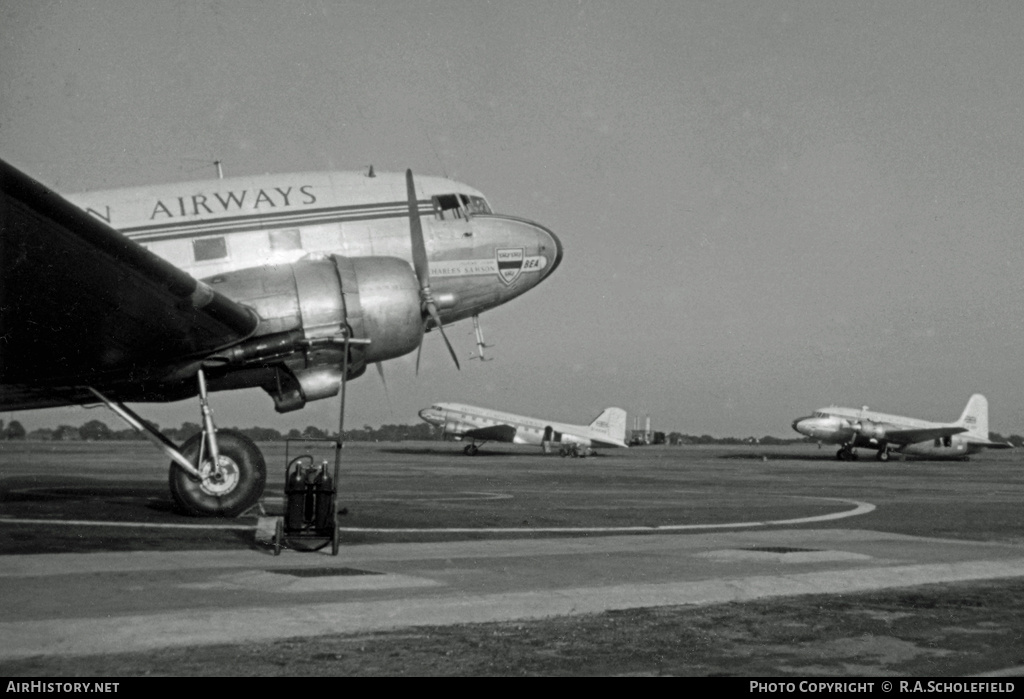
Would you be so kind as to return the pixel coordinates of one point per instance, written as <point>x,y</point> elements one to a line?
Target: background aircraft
<point>460,422</point>
<point>852,427</point>
<point>304,280</point>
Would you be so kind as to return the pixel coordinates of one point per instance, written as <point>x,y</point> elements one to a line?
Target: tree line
<point>97,430</point>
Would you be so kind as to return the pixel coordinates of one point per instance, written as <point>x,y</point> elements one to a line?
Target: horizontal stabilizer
<point>993,445</point>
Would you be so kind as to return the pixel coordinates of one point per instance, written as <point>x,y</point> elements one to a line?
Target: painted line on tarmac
<point>134,525</point>
<point>862,508</point>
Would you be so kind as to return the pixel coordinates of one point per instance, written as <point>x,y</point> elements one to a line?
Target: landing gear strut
<point>846,453</point>
<point>215,474</point>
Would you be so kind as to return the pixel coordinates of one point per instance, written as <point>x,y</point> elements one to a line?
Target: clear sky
<point>767,207</point>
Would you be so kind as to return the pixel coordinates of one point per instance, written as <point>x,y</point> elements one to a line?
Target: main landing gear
<point>215,473</point>
<point>846,453</point>
<point>227,490</point>
<point>471,450</point>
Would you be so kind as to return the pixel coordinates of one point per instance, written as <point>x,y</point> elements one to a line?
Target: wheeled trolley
<point>310,520</point>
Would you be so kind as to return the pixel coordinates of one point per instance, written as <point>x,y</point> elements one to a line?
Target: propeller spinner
<point>422,267</point>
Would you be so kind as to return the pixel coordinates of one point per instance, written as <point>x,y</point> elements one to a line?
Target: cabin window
<point>210,249</point>
<point>288,239</point>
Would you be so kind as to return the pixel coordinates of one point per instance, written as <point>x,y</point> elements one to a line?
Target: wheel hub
<point>218,482</point>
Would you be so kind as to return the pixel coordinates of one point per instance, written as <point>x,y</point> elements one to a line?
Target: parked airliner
<point>293,283</point>
<point>863,428</point>
<point>461,422</point>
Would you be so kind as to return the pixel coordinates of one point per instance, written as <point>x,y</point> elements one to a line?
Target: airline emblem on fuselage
<point>510,263</point>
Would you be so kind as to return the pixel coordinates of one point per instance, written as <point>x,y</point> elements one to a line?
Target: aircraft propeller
<point>422,267</point>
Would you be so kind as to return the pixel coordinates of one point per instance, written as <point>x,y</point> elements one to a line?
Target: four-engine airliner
<point>460,422</point>
<point>293,283</point>
<point>859,427</point>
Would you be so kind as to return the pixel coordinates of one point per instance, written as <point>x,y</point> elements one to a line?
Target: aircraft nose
<point>800,425</point>
<point>527,251</point>
<point>550,247</point>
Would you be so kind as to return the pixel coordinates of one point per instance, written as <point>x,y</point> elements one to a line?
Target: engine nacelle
<point>306,308</point>
<point>869,430</point>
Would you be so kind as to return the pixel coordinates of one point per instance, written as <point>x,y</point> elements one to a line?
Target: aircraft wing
<point>82,305</point>
<point>913,436</point>
<point>495,433</point>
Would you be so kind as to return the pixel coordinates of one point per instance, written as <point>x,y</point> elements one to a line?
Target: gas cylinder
<point>324,499</point>
<point>295,489</point>
<point>312,483</point>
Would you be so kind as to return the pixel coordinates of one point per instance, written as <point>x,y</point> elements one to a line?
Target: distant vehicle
<point>862,428</point>
<point>481,425</point>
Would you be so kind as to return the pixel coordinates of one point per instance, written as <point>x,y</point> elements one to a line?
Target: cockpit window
<point>448,207</point>
<point>476,205</point>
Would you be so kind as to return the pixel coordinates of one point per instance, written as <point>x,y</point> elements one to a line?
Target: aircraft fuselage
<point>460,421</point>
<point>318,257</point>
<point>867,429</point>
<point>478,259</point>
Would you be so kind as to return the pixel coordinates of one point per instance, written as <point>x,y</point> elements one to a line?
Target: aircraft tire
<point>247,475</point>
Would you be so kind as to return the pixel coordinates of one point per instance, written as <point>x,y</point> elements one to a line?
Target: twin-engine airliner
<point>862,428</point>
<point>292,283</point>
<point>461,422</point>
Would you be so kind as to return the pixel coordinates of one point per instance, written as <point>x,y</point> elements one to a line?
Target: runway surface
<point>94,561</point>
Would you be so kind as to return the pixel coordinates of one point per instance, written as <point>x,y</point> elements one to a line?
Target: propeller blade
<point>419,249</point>
<point>422,267</point>
<point>437,321</point>
<point>387,396</point>
<point>419,349</point>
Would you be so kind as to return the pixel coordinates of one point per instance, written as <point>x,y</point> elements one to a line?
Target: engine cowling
<point>306,308</point>
<point>870,430</point>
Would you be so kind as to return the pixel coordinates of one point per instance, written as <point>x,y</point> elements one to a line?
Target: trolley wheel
<point>278,535</point>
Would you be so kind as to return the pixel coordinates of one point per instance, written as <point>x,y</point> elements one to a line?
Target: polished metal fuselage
<point>477,260</point>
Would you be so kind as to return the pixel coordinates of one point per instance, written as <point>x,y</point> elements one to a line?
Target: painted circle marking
<point>860,508</point>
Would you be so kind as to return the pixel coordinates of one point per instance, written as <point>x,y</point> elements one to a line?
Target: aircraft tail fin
<point>975,417</point>
<point>611,423</point>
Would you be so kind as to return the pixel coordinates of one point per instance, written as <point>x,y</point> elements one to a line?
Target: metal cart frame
<point>306,515</point>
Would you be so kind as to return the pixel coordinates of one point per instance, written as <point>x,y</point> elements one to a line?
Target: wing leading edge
<point>495,433</point>
<point>921,435</point>
<point>81,304</point>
